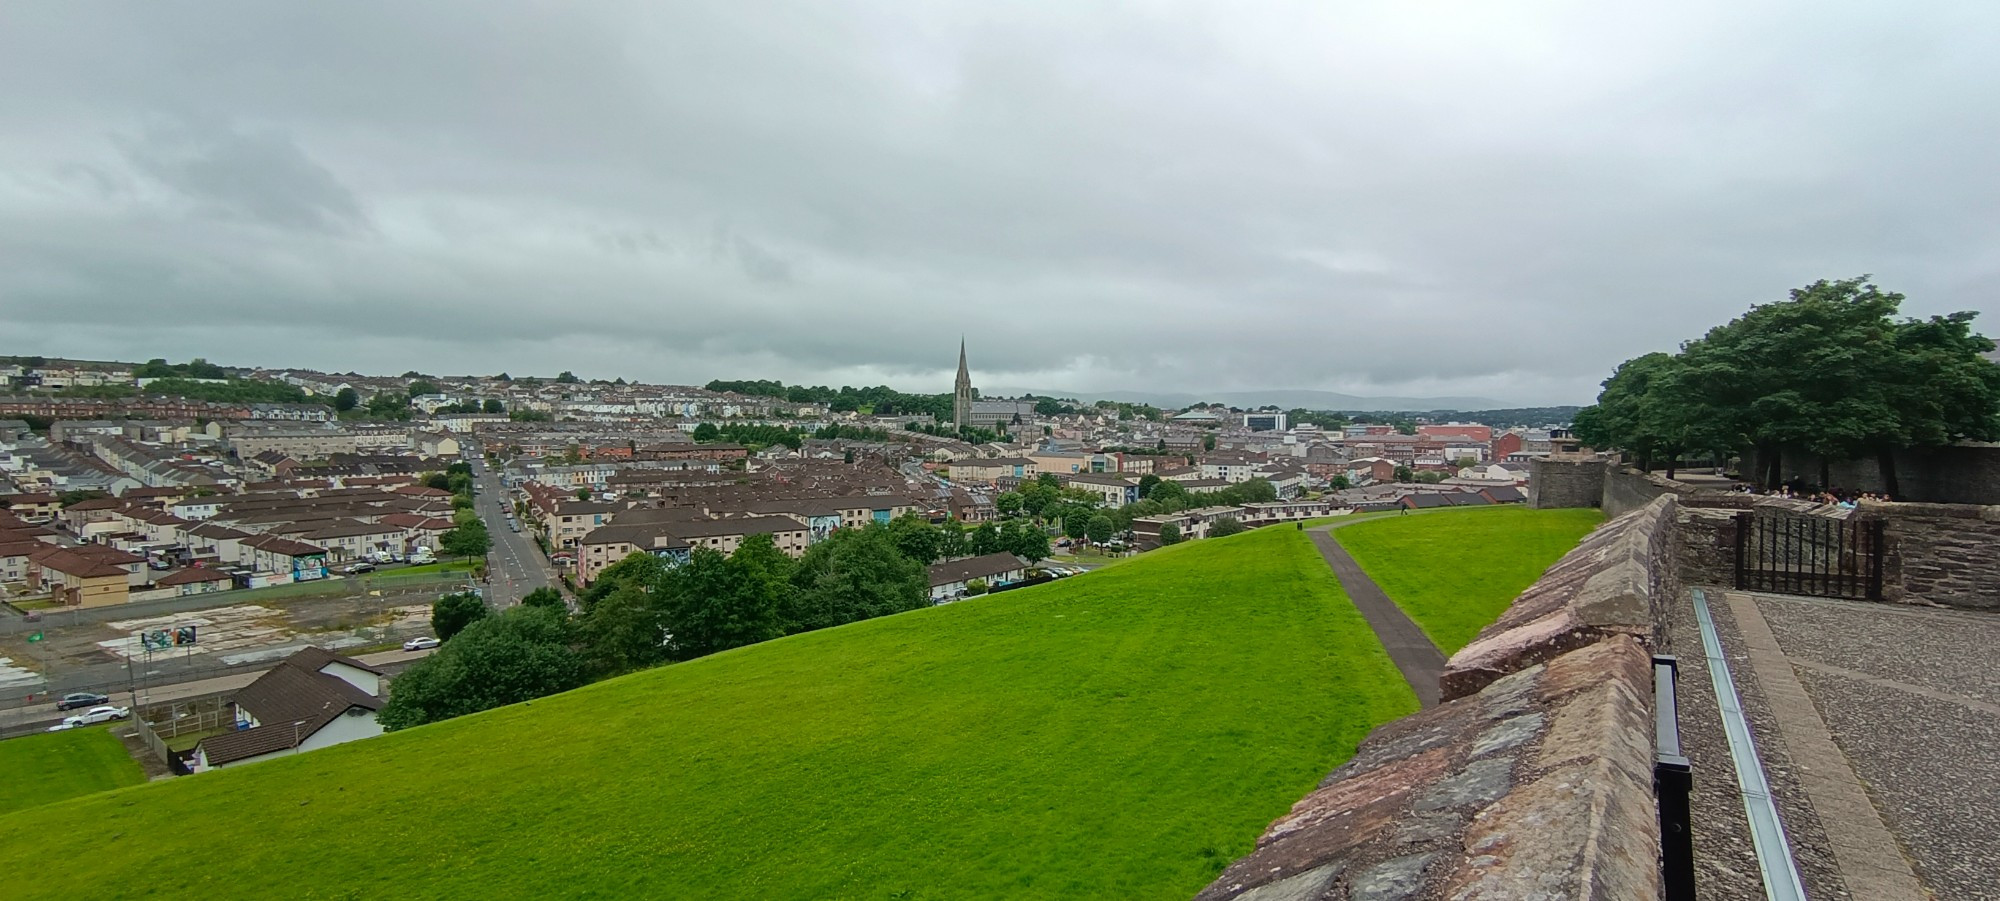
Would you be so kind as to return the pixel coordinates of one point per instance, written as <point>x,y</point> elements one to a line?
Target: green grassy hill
<point>1118,735</point>
<point>53,766</point>
<point>1454,571</point>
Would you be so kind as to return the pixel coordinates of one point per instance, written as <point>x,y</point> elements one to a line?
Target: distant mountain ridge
<point>1282,397</point>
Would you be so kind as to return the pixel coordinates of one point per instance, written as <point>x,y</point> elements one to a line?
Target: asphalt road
<point>37,717</point>
<point>515,566</point>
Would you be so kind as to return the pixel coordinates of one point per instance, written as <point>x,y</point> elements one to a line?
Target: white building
<point>312,700</point>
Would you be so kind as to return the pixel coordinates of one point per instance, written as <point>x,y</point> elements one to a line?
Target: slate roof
<point>192,575</point>
<point>980,567</point>
<point>292,701</point>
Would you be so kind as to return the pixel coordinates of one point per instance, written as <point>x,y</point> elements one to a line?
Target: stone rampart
<point>1532,780</point>
<point>1565,481</point>
<point>1940,554</point>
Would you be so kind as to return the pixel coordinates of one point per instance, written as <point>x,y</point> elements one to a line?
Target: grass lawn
<point>427,569</point>
<point>52,766</point>
<point>1454,571</point>
<point>1122,734</point>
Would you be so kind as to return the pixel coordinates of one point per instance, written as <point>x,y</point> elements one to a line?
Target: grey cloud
<point>1180,198</point>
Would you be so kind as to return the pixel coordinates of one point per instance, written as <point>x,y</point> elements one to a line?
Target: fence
<point>1819,556</point>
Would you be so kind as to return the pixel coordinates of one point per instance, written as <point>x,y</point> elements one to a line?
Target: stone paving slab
<point>1907,694</point>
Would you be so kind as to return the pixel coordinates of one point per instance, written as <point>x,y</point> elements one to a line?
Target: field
<point>1123,734</point>
<point>1454,571</point>
<point>53,766</point>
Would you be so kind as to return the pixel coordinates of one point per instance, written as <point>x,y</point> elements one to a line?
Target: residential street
<point>515,565</point>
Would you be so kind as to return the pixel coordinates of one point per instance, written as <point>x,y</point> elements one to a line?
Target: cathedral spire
<point>961,392</point>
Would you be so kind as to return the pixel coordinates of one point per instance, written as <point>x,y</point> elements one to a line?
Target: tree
<point>567,377</point>
<point>493,407</point>
<point>583,494</point>
<point>1225,527</point>
<point>518,656</point>
<point>1339,482</point>
<point>712,603</point>
<point>76,496</point>
<point>545,597</point>
<point>706,432</point>
<point>1147,483</point>
<point>469,539</point>
<point>453,612</point>
<point>1170,534</point>
<point>1101,529</point>
<point>345,399</point>
<point>985,539</point>
<point>389,405</point>
<point>1007,503</point>
<point>952,540</point>
<point>1252,491</point>
<point>855,574</point>
<point>1170,495</point>
<point>1403,473</point>
<point>1208,442</point>
<point>421,387</point>
<point>917,538</point>
<point>1025,540</point>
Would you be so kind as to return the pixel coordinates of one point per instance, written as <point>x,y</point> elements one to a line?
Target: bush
<point>1225,527</point>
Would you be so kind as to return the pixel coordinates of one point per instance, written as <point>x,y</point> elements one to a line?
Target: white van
<point>422,555</point>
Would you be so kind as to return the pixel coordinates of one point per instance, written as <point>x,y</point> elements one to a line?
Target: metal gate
<point>1817,556</point>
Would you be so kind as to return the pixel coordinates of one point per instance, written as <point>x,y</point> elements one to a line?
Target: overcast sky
<point>1412,198</point>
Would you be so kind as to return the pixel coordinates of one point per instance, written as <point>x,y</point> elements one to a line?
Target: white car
<point>421,644</point>
<point>98,715</point>
<point>64,725</point>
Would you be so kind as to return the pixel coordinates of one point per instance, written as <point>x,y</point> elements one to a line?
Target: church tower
<point>961,393</point>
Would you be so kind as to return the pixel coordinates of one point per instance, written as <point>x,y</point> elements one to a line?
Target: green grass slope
<point>1455,571</point>
<point>53,766</point>
<point>1118,735</point>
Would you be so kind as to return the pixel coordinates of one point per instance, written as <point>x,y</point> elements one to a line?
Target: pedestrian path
<point>1420,661</point>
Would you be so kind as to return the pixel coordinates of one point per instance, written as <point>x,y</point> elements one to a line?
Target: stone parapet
<point>1941,553</point>
<point>1609,585</point>
<point>1532,780</point>
<point>1537,786</point>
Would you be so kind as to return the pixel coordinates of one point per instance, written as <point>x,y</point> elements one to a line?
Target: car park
<point>103,714</point>
<point>421,644</point>
<point>78,700</point>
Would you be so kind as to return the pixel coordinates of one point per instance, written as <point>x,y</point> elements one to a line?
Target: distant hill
<point>1122,734</point>
<point>1283,397</point>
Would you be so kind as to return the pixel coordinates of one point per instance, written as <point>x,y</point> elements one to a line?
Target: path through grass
<point>1454,571</point>
<point>1122,734</point>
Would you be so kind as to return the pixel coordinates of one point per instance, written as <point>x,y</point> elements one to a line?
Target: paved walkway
<point>1420,660</point>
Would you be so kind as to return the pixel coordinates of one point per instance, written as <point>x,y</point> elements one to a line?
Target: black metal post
<point>1673,784</point>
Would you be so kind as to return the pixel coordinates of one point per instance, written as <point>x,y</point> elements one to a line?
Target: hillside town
<point>114,499</point>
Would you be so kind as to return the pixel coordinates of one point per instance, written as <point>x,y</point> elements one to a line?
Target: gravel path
<point>1725,862</point>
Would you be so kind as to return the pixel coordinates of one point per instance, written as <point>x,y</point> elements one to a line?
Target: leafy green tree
<point>1100,529</point>
<point>1170,495</point>
<point>1404,473</point>
<point>707,432</point>
<point>76,496</point>
<point>345,399</point>
<point>638,569</point>
<point>714,604</point>
<point>421,387</point>
<point>856,574</point>
<point>453,612</point>
<point>1147,483</point>
<point>917,538</point>
<point>1339,482</point>
<point>985,539</point>
<point>545,597</point>
<point>583,494</point>
<point>1007,503</point>
<point>1025,540</point>
<point>567,377</point>
<point>1252,491</point>
<point>493,407</point>
<point>1075,522</point>
<point>1225,527</point>
<point>1208,442</point>
<point>518,656</point>
<point>952,540</point>
<point>1170,534</point>
<point>469,539</point>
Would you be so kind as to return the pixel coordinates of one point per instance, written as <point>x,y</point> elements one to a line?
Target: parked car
<point>421,644</point>
<point>78,700</point>
<point>355,569</point>
<point>98,715</point>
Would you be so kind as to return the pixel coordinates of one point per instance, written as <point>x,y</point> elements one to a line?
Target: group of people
<point>1832,497</point>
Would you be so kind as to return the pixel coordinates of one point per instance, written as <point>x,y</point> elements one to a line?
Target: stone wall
<point>1961,474</point>
<point>1941,554</point>
<point>1561,481</point>
<point>1532,780</point>
<point>1627,489</point>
